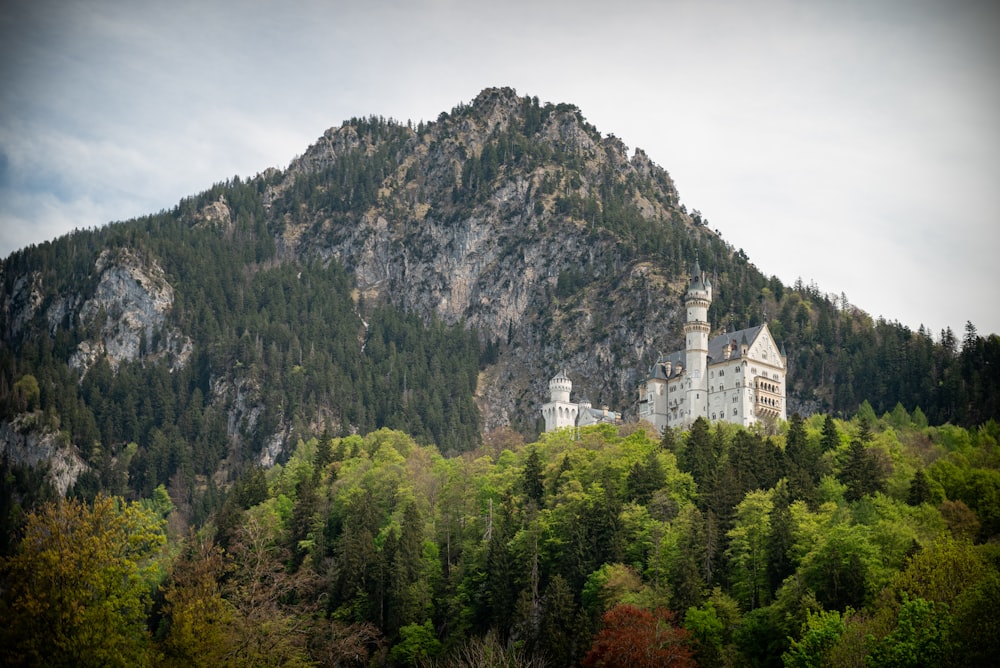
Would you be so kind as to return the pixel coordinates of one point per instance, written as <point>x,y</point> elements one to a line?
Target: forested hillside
<point>428,278</point>
<point>869,542</point>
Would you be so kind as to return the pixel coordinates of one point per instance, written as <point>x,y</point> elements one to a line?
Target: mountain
<point>519,220</point>
<point>429,278</point>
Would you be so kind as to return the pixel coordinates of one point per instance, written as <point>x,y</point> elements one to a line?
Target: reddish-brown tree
<point>637,638</point>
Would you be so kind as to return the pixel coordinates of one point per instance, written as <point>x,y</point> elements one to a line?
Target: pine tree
<point>831,438</point>
<point>531,478</point>
<point>644,478</point>
<point>920,489</point>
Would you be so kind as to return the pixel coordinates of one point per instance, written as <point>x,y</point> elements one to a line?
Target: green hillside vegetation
<point>866,542</point>
<point>291,333</point>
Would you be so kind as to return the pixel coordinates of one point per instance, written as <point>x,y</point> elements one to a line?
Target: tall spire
<point>699,281</point>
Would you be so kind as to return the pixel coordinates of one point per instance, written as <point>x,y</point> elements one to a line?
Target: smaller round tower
<point>560,387</point>
<point>559,412</point>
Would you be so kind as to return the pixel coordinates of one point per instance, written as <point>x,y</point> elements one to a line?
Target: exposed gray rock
<point>128,310</point>
<point>25,299</point>
<point>216,215</point>
<point>24,443</point>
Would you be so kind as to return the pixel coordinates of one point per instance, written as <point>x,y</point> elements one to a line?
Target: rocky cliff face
<point>474,224</point>
<point>123,316</point>
<point>127,314</point>
<point>23,443</point>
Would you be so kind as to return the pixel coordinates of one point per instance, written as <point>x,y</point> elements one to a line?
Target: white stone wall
<point>559,414</point>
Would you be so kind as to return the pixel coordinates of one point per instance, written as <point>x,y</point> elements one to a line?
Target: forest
<point>870,541</point>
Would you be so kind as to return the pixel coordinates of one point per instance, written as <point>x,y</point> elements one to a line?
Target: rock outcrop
<point>127,313</point>
<point>23,443</point>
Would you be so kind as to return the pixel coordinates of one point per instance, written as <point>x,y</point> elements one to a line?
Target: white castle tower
<point>696,331</point>
<point>559,412</point>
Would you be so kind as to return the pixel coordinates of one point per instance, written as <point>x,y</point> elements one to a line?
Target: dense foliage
<point>869,542</point>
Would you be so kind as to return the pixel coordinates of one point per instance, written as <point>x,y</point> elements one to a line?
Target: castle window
<point>734,411</point>
<point>722,372</point>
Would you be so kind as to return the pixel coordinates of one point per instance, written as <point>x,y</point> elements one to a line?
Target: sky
<point>854,144</point>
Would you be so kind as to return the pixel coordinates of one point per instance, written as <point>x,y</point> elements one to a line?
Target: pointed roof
<point>717,345</point>
<point>699,281</point>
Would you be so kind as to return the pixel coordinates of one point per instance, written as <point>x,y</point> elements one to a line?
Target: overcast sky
<point>855,144</point>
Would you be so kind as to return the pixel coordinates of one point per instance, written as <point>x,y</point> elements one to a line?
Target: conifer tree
<point>531,478</point>
<point>920,489</point>
<point>831,438</point>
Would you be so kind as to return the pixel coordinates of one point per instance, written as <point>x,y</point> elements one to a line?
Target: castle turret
<point>696,330</point>
<point>560,387</point>
<point>559,412</point>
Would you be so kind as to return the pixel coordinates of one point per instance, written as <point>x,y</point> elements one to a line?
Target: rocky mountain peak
<point>485,216</point>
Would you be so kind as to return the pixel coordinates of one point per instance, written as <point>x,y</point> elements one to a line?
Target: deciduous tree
<point>637,638</point>
<point>76,591</point>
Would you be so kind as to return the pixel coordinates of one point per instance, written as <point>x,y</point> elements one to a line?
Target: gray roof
<point>658,371</point>
<point>716,351</point>
<point>717,345</point>
<point>699,281</point>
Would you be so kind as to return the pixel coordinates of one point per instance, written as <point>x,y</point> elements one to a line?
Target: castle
<point>736,377</point>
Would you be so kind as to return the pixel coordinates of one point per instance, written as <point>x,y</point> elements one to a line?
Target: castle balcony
<point>767,397</point>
